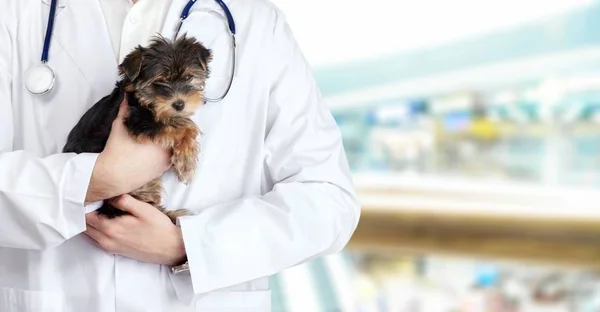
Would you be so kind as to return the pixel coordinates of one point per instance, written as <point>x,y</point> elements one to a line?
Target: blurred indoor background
<point>472,128</point>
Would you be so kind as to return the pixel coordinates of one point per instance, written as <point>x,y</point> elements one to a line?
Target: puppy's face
<point>168,77</point>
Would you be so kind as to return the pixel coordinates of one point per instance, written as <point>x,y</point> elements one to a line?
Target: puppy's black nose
<point>178,105</point>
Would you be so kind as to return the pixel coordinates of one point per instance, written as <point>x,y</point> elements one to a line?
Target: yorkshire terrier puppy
<point>164,84</point>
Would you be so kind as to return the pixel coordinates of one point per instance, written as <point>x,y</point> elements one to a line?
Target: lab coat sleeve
<point>311,211</point>
<point>41,199</point>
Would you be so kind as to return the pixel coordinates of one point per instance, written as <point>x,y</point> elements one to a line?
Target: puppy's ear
<point>132,64</point>
<point>205,56</point>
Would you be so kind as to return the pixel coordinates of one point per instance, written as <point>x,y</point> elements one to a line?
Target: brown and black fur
<point>164,84</point>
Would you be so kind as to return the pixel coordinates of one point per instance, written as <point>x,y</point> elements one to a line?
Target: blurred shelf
<point>487,219</point>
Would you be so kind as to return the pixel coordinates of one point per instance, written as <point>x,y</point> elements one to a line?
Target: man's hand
<point>146,235</point>
<point>125,165</point>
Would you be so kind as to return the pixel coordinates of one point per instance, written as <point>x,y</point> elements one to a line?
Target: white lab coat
<point>273,188</point>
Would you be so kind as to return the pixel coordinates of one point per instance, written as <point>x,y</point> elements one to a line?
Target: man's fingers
<point>138,210</point>
<point>122,109</point>
<point>126,203</point>
<point>107,227</point>
<point>100,239</point>
<point>93,219</point>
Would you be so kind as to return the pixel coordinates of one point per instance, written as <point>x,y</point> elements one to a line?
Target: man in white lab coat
<point>273,187</point>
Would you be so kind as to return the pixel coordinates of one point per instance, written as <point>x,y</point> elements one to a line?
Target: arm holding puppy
<point>43,197</point>
<point>125,165</point>
<point>145,234</point>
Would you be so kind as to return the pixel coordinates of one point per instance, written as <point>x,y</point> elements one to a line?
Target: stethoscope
<point>40,79</point>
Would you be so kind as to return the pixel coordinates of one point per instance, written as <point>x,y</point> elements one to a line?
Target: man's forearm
<point>103,183</point>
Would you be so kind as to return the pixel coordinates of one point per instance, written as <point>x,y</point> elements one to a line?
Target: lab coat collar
<point>70,25</point>
<point>174,14</point>
<point>61,3</point>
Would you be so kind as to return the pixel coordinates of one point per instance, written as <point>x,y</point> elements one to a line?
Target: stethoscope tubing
<point>49,30</point>
<point>232,31</point>
<point>184,14</point>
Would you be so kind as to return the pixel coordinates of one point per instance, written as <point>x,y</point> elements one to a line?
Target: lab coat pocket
<point>235,301</point>
<point>20,300</point>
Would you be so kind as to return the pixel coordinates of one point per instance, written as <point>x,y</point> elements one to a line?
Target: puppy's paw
<point>185,168</point>
<point>185,160</point>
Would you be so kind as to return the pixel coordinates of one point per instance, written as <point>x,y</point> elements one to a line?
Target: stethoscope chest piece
<point>39,79</point>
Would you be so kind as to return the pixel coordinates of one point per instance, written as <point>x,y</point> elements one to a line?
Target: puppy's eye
<point>188,77</point>
<point>160,84</point>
